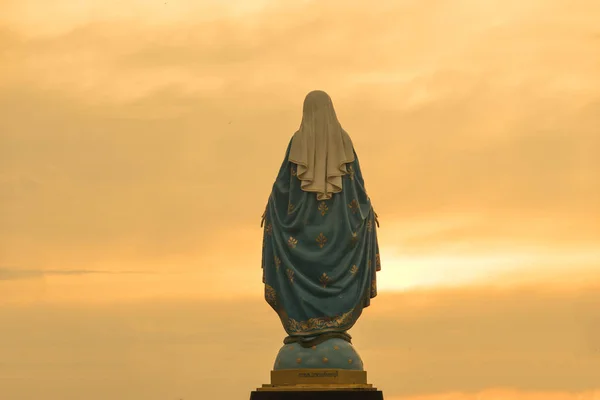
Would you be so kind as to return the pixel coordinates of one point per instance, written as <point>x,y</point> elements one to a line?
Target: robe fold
<point>320,257</point>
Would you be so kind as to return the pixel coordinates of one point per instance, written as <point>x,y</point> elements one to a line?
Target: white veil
<point>321,148</point>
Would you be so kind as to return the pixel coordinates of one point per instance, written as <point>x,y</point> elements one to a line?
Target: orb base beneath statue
<point>332,354</point>
<point>328,370</point>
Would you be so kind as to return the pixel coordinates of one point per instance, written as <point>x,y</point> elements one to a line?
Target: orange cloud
<point>124,130</point>
<point>505,394</point>
<point>524,342</point>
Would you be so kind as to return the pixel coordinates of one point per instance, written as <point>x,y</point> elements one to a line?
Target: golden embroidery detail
<point>369,264</point>
<point>336,347</point>
<point>325,360</point>
<point>377,262</point>
<point>353,206</point>
<point>354,270</point>
<point>373,288</point>
<point>354,239</point>
<point>292,242</point>
<point>321,240</point>
<point>277,261</point>
<point>323,208</point>
<point>290,208</point>
<point>290,275</point>
<point>351,172</point>
<point>294,171</point>
<point>370,225</point>
<point>269,229</point>
<point>270,295</point>
<point>298,360</point>
<point>324,279</point>
<point>320,323</point>
<point>349,361</point>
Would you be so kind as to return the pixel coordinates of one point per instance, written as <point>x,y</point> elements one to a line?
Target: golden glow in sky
<point>126,124</point>
<point>139,141</point>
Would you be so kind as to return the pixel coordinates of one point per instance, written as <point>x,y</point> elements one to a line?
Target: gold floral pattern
<point>373,288</point>
<point>336,347</point>
<point>351,172</point>
<point>270,295</point>
<point>354,239</point>
<point>350,361</point>
<point>269,229</point>
<point>353,206</point>
<point>354,270</point>
<point>325,360</point>
<point>290,275</point>
<point>292,242</point>
<point>298,360</point>
<point>324,279</point>
<point>370,225</point>
<point>320,323</point>
<point>377,262</point>
<point>323,208</point>
<point>291,208</point>
<point>321,240</point>
<point>369,264</point>
<point>294,170</point>
<point>277,261</point>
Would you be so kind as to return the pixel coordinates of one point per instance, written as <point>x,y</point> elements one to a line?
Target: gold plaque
<point>317,379</point>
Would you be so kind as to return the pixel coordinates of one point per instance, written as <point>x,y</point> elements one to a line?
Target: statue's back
<point>320,251</point>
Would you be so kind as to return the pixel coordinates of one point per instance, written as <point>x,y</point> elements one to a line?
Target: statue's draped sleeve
<point>319,257</point>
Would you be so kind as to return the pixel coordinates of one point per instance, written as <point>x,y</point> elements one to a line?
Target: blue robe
<point>319,258</point>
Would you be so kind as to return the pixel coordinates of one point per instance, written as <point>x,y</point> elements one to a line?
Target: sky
<point>139,141</point>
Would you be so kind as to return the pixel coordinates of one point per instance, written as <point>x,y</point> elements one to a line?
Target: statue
<point>320,253</point>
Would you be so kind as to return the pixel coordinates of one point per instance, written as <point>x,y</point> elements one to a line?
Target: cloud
<point>418,345</point>
<point>505,394</point>
<point>533,338</point>
<point>115,142</point>
<point>7,274</point>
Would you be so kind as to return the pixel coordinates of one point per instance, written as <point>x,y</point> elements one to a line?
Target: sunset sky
<point>139,140</point>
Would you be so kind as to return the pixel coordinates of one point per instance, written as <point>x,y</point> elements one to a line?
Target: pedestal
<point>317,384</point>
<point>318,395</point>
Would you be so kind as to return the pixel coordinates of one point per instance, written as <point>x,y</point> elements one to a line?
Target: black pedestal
<point>314,395</point>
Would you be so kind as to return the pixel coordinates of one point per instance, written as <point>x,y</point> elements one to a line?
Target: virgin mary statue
<point>320,253</point>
